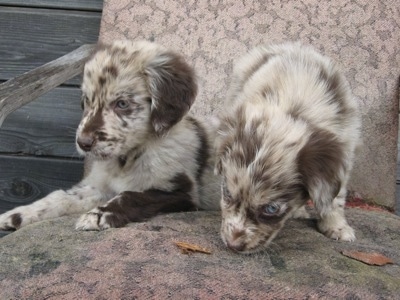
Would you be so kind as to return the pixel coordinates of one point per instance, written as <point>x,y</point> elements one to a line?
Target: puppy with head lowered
<point>288,135</point>
<point>143,153</point>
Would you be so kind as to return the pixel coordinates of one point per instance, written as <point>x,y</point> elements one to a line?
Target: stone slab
<point>50,260</point>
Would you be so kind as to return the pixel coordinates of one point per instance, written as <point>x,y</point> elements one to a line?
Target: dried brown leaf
<point>187,248</point>
<point>374,258</point>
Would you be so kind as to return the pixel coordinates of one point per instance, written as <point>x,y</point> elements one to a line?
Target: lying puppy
<point>288,134</point>
<point>143,154</point>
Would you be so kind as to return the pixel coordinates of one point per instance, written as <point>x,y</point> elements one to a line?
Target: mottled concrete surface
<point>362,36</point>
<point>50,260</point>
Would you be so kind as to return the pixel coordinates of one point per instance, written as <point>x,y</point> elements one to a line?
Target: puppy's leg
<point>78,199</point>
<point>332,221</point>
<point>134,207</point>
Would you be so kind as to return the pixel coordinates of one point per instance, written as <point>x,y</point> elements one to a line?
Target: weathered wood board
<point>45,126</point>
<point>31,37</point>
<point>25,88</point>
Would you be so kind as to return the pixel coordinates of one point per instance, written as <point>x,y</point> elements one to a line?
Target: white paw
<point>345,233</point>
<point>92,220</point>
<point>14,219</point>
<point>342,233</point>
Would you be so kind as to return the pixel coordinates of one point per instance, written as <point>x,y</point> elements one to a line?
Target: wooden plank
<point>45,126</point>
<point>26,179</point>
<point>29,38</point>
<point>90,5</point>
<point>27,87</point>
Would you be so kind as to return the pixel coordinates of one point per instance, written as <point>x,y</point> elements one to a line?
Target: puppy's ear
<point>173,89</point>
<point>321,163</point>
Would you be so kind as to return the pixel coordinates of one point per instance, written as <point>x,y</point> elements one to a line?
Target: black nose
<point>85,142</point>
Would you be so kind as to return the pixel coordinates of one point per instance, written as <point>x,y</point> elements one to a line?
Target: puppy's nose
<point>236,246</point>
<point>85,142</point>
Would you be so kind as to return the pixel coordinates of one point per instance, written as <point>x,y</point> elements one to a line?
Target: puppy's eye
<point>271,209</point>
<point>122,104</point>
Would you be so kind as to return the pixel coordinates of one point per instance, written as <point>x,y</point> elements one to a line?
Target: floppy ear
<point>322,165</point>
<point>173,89</point>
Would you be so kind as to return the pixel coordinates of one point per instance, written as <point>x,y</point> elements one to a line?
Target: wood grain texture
<point>44,127</point>
<point>31,38</point>
<point>91,5</point>
<point>27,87</point>
<point>26,179</point>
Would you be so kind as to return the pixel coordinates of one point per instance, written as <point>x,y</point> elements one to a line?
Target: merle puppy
<point>288,134</point>
<point>143,154</point>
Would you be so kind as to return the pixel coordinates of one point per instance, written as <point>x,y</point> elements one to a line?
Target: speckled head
<point>130,91</point>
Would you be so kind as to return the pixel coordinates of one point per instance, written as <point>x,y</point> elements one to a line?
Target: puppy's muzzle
<point>85,142</point>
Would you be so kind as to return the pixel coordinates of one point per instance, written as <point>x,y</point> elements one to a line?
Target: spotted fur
<point>143,154</point>
<point>288,134</point>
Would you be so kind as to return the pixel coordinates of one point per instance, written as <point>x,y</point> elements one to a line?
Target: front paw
<point>340,231</point>
<point>11,220</point>
<point>92,220</point>
<point>98,219</point>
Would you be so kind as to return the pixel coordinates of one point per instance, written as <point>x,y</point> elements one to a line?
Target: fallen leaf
<point>187,248</point>
<point>374,258</point>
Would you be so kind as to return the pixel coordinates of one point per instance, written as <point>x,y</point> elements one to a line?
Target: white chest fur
<point>154,168</point>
